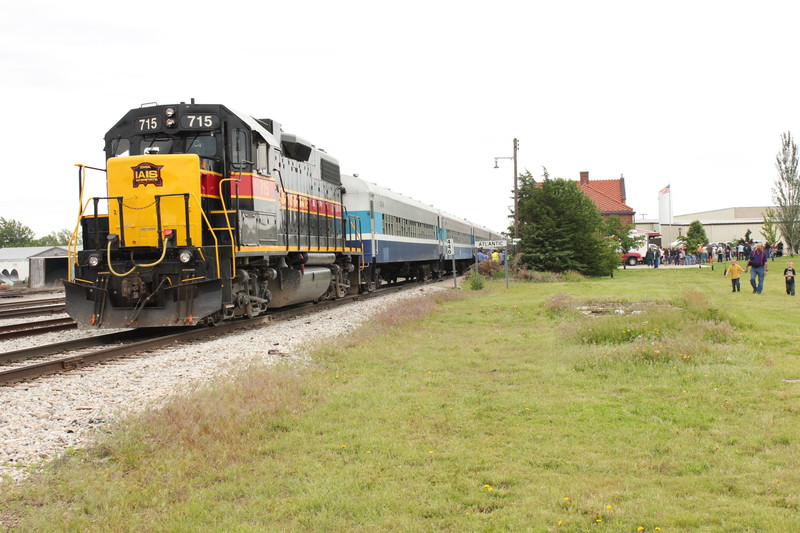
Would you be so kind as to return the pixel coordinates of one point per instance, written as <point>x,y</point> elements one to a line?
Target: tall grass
<point>538,408</point>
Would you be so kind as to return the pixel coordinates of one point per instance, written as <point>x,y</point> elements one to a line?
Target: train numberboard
<point>200,122</point>
<point>502,243</point>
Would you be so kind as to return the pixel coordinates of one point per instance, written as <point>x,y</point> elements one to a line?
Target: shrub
<point>523,274</point>
<point>476,282</point>
<point>489,268</point>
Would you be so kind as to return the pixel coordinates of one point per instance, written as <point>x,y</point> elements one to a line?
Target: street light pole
<point>516,191</point>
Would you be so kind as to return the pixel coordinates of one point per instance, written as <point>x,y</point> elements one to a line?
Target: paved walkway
<point>704,265</point>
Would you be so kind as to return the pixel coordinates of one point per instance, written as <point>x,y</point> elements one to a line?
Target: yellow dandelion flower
<point>609,507</point>
<point>430,451</point>
<point>560,522</point>
<point>657,528</point>
<point>566,498</point>
<point>599,520</point>
<point>640,528</point>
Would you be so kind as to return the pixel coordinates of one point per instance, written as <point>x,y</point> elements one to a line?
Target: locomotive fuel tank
<point>294,286</point>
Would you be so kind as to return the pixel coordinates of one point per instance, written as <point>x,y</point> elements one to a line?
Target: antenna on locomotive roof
<point>192,101</point>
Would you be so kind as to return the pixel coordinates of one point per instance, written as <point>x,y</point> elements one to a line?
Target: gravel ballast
<point>42,418</point>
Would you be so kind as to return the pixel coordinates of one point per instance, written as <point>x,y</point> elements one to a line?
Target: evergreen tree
<point>561,229</point>
<point>695,236</point>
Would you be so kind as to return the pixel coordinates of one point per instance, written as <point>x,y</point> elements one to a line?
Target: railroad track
<point>35,328</point>
<point>31,307</point>
<point>130,342</point>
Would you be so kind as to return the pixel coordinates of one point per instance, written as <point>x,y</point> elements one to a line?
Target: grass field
<point>653,401</point>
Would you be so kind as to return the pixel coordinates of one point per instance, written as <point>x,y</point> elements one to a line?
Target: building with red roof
<point>608,196</point>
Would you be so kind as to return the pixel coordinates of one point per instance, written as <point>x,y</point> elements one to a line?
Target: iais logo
<point>147,173</point>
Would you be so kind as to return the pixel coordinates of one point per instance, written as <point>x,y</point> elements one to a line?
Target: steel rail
<point>38,310</point>
<point>36,328</point>
<point>160,341</point>
<point>19,304</point>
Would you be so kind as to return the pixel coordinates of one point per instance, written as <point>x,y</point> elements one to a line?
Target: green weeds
<point>538,408</point>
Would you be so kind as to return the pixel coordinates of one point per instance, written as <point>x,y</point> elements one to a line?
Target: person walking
<point>758,266</point>
<point>648,256</point>
<point>789,274</point>
<point>735,272</point>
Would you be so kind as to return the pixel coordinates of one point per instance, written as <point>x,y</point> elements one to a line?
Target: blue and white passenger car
<point>405,238</point>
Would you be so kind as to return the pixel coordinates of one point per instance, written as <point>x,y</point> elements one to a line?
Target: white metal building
<point>721,225</point>
<point>40,266</point>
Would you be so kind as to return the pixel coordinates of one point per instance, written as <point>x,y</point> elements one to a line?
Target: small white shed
<point>42,266</point>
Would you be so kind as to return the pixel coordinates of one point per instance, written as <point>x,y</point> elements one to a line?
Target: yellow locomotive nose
<point>146,189</point>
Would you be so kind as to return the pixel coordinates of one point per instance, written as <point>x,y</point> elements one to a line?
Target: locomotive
<point>211,214</point>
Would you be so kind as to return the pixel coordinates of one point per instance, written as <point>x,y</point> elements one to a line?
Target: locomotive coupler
<point>133,288</point>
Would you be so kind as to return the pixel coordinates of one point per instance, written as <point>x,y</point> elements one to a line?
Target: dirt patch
<point>595,309</point>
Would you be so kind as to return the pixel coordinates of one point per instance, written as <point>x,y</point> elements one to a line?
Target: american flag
<point>665,190</point>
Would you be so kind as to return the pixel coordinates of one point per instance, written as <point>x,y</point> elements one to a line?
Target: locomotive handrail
<point>72,252</point>
<point>228,223</point>
<point>186,214</point>
<point>352,219</point>
<point>72,244</point>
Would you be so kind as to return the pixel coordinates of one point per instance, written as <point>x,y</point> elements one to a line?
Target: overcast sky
<point>419,96</point>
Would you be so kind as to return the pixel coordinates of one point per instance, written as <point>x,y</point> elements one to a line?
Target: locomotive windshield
<point>156,146</point>
<point>202,145</point>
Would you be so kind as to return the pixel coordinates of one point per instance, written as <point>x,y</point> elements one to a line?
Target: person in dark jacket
<point>759,266</point>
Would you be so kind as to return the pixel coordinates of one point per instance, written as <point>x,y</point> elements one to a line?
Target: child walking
<point>735,272</point>
<point>789,274</point>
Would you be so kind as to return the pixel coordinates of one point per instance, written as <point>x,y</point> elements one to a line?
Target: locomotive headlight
<point>169,112</point>
<point>185,256</point>
<point>93,260</point>
<point>170,122</point>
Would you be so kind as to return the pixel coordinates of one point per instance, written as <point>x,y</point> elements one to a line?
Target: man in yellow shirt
<point>735,271</point>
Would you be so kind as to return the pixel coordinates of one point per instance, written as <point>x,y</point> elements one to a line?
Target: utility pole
<point>516,191</point>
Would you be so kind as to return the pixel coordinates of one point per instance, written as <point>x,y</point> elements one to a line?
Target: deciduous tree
<point>786,193</point>
<point>14,233</point>
<point>769,229</point>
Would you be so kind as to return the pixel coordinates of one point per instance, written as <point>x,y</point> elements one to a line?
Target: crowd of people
<point>756,258</point>
<point>705,254</point>
<point>495,255</point>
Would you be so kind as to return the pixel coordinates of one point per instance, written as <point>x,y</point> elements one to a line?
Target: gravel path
<point>41,419</point>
